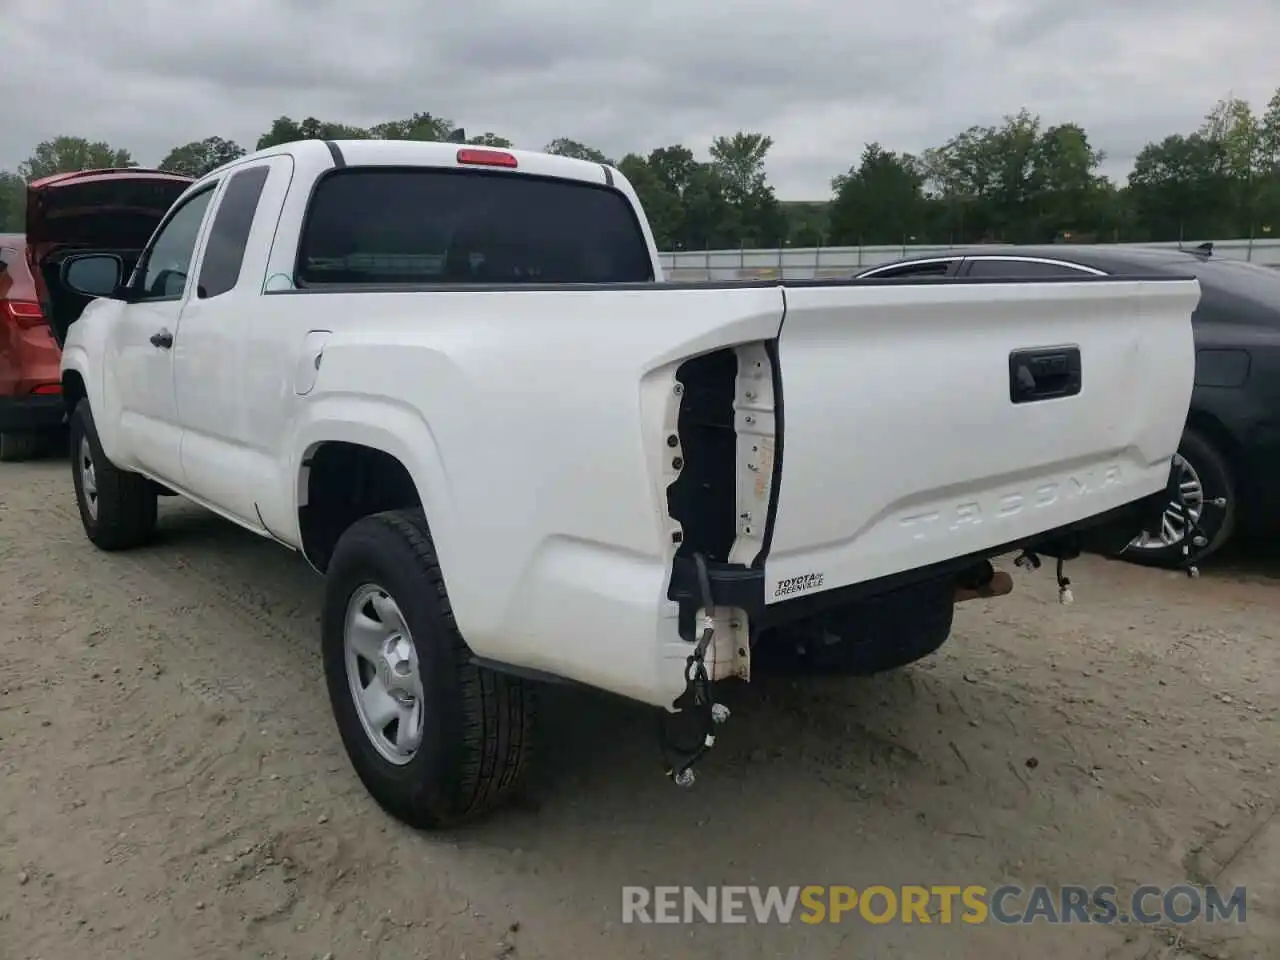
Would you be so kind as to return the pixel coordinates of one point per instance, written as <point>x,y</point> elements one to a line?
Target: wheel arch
<point>80,383</point>
<point>348,468</point>
<point>1215,432</point>
<point>73,390</point>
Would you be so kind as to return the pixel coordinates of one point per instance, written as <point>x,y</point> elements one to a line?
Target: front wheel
<point>434,738</point>
<point>1207,491</point>
<point>117,507</point>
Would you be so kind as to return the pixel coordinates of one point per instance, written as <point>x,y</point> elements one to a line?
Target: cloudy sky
<point>821,78</point>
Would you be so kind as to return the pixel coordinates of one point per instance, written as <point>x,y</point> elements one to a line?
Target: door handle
<point>1044,374</point>
<point>163,339</point>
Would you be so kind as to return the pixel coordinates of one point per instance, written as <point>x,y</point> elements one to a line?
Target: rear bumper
<point>734,586</point>
<point>31,414</point>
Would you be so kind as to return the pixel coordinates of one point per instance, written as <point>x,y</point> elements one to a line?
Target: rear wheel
<point>1207,491</point>
<point>19,446</point>
<point>435,739</point>
<point>117,507</point>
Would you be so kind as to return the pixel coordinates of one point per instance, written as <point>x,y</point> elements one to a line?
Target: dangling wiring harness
<point>696,698</point>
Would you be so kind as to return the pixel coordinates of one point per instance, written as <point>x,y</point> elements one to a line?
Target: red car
<point>106,210</point>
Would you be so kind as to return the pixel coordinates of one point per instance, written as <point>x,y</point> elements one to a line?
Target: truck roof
<point>430,153</point>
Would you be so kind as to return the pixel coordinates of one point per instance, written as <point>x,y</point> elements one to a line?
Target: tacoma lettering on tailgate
<point>1001,506</point>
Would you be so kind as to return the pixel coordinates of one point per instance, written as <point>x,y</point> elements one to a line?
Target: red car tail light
<point>24,314</point>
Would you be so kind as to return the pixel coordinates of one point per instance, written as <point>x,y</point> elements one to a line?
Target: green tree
<point>13,202</point>
<point>738,162</point>
<point>66,154</point>
<point>1069,198</point>
<point>692,198</point>
<point>564,147</point>
<point>960,176</point>
<point>661,205</point>
<point>490,140</point>
<point>1269,168</point>
<point>709,219</point>
<point>420,126</point>
<point>674,166</point>
<point>1017,181</point>
<point>1236,175</point>
<point>287,130</point>
<point>197,158</point>
<point>880,201</point>
<point>1176,190</point>
<point>808,222</point>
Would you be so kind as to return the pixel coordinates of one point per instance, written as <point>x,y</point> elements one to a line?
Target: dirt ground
<point>171,784</point>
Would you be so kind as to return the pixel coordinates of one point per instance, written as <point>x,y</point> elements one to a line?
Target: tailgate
<point>903,444</point>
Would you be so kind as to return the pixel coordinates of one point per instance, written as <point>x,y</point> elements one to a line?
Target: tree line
<point>1020,181</point>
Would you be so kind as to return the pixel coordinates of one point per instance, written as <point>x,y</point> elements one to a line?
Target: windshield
<point>412,226</point>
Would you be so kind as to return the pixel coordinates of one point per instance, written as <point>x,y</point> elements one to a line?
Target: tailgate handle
<point>1044,373</point>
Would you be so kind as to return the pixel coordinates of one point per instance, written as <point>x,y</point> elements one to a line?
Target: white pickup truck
<point>454,379</point>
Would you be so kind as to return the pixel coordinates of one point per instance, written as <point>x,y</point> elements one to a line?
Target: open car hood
<point>99,209</point>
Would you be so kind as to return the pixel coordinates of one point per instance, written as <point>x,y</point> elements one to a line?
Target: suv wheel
<point>1207,489</point>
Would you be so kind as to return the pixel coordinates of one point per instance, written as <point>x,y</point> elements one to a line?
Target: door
<point>142,344</point>
<point>218,361</point>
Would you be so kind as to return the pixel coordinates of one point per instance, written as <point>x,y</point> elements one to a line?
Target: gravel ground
<point>171,784</point>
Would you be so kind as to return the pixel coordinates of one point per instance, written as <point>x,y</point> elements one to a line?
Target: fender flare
<point>393,428</point>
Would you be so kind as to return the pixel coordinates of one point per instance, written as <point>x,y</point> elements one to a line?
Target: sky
<point>821,78</point>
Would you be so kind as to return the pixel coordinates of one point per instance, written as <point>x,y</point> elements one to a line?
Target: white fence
<point>807,262</point>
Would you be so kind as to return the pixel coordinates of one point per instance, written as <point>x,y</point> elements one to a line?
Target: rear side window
<point>996,268</point>
<point>224,251</point>
<point>412,225</point>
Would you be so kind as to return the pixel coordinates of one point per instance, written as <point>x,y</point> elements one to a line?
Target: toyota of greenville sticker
<point>792,585</point>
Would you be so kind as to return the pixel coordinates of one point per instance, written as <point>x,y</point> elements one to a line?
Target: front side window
<point>931,268</point>
<point>169,260</point>
<point>444,226</point>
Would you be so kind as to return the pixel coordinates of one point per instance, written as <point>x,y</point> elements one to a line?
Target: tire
<point>117,507</point>
<point>476,725</point>
<point>1217,523</point>
<point>15,447</point>
<point>872,636</point>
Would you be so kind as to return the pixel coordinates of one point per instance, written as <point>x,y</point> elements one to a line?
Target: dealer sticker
<point>789,586</point>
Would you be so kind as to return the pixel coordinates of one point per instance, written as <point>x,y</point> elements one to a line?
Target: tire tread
<point>127,502</point>
<point>497,711</point>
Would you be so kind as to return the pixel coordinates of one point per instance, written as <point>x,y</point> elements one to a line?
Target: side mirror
<point>93,274</point>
